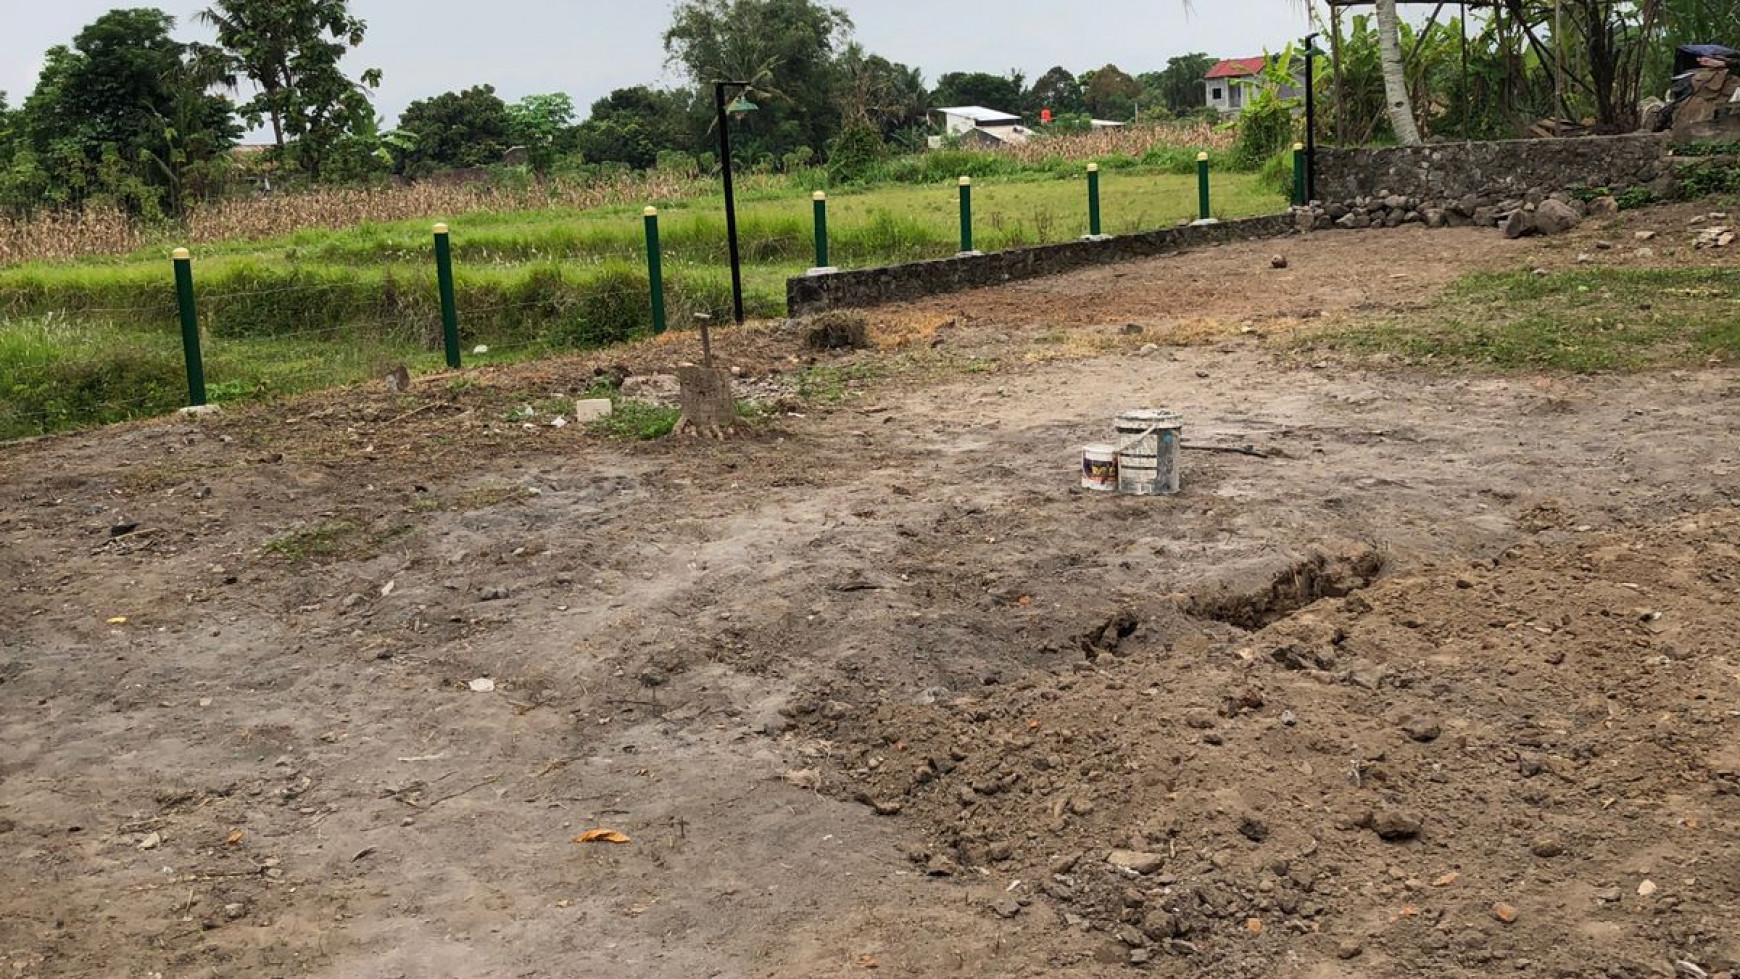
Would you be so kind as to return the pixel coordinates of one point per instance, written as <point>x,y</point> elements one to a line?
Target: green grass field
<point>98,341</point>
<point>1579,321</point>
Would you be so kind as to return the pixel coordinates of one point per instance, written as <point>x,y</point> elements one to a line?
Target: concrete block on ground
<point>591,410</point>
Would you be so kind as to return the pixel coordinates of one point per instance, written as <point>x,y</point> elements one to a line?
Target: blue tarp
<point>1686,58</point>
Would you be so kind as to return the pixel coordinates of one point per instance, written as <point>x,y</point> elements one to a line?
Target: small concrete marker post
<point>189,327</point>
<point>821,208</point>
<point>449,308</point>
<point>1299,175</point>
<point>655,270</point>
<point>1095,230</point>
<point>967,248</point>
<point>1204,214</point>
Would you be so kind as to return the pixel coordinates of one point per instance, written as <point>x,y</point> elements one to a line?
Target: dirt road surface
<point>1448,686</point>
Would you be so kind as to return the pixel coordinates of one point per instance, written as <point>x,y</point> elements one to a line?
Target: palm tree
<point>1396,100</point>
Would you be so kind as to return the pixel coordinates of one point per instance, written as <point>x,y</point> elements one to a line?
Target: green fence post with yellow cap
<point>449,305</point>
<point>820,199</point>
<point>967,216</point>
<point>1202,208</point>
<point>655,270</point>
<point>1094,229</point>
<point>1299,175</point>
<point>189,327</point>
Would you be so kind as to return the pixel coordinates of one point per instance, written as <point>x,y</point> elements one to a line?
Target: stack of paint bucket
<point>1143,461</point>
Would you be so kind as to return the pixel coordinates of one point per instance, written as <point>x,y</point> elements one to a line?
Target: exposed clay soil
<point>1450,686</point>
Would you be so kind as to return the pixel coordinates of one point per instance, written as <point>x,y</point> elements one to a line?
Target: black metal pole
<point>730,198</point>
<point>1310,119</point>
<point>1467,96</point>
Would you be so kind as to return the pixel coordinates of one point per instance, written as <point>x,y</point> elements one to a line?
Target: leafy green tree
<point>1001,92</point>
<point>1058,90</point>
<point>786,48</point>
<point>883,95</point>
<point>8,137</point>
<point>365,154</point>
<point>541,124</point>
<point>1110,93</point>
<point>290,50</point>
<point>122,116</point>
<point>456,129</point>
<point>1178,89</point>
<point>633,125</point>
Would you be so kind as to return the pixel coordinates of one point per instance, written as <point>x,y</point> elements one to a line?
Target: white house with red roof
<point>1227,84</point>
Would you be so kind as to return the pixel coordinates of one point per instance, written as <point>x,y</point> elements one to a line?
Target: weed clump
<point>837,330</point>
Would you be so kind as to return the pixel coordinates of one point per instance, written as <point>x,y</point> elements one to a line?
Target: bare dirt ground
<point>1448,687</point>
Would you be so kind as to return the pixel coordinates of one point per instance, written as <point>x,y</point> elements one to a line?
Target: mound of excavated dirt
<point>1527,765</point>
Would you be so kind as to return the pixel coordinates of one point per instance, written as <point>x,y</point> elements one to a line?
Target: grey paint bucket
<point>1148,443</point>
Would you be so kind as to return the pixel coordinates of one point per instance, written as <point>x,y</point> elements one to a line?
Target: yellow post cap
<point>1093,168</point>
<point>441,229</point>
<point>651,212</point>
<point>1202,157</point>
<point>181,254</point>
<point>1298,146</point>
<point>820,195</point>
<point>966,181</point>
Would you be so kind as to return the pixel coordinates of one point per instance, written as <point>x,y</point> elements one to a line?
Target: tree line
<point>126,114</point>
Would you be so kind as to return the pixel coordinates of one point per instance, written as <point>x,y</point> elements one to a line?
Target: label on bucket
<point>1099,469</point>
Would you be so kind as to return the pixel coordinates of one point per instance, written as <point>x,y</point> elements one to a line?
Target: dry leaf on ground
<point>601,836</point>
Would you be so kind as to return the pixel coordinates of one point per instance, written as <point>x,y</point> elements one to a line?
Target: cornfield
<point>1125,141</point>
<point>65,235</point>
<point>105,231</point>
<point>340,207</point>
<point>53,236</point>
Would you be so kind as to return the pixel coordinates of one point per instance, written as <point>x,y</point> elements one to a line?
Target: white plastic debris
<point>483,685</point>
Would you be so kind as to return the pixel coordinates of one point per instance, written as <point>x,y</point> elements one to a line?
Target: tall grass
<point>55,236</point>
<point>564,305</point>
<point>59,373</point>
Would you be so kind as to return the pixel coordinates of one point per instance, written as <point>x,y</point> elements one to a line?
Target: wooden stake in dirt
<point>708,408</point>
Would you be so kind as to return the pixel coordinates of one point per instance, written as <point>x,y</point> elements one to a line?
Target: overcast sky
<point>589,47</point>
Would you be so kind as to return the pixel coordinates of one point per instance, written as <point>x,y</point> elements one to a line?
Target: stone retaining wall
<point>810,294</point>
<point>1481,183</point>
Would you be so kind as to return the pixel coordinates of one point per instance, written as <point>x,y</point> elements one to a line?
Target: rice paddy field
<point>93,339</point>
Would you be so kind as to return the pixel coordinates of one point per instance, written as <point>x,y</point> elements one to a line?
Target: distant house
<point>975,125</point>
<point>1226,83</point>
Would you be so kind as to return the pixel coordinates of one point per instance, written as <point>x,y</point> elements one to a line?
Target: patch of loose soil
<point>879,687</point>
<point>1549,732</point>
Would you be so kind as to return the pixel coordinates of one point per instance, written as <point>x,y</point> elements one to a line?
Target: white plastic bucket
<point>1148,452</point>
<point>1099,468</point>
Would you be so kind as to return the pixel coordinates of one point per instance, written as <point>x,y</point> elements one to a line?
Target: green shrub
<point>1276,174</point>
<point>1171,159</point>
<point>1708,178</point>
<point>854,154</point>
